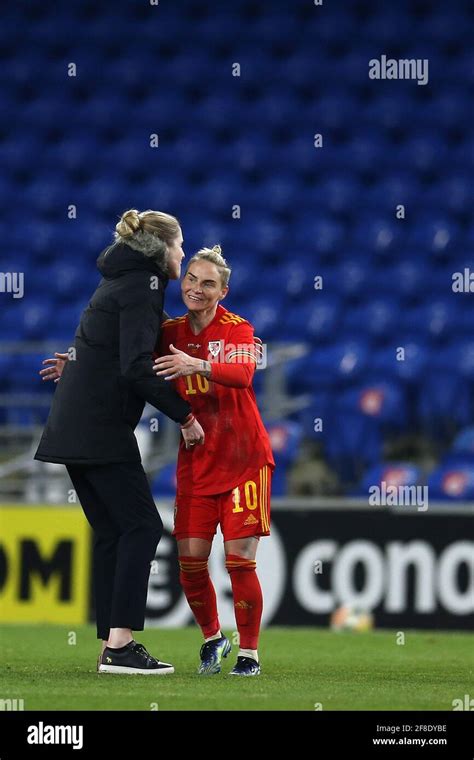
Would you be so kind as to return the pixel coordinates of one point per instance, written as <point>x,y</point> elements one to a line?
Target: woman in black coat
<point>97,404</point>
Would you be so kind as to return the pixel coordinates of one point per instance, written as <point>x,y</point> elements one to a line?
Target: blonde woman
<point>210,354</point>
<point>104,386</point>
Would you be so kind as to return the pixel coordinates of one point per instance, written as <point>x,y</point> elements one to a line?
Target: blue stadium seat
<point>449,109</point>
<point>314,416</point>
<point>338,192</point>
<point>392,110</point>
<point>444,402</point>
<point>354,275</point>
<point>66,320</point>
<point>314,320</point>
<point>7,363</point>
<point>447,25</point>
<point>332,110</point>
<point>330,366</point>
<point>405,358</point>
<point>386,26</point>
<point>436,235</point>
<point>280,191</point>
<point>352,442</point>
<point>452,482</point>
<point>295,280</point>
<point>265,315</point>
<point>285,438</point>
<point>395,189</point>
<point>380,235</point>
<point>392,474</point>
<point>461,357</point>
<point>13,328</point>
<point>437,319</point>
<point>367,152</point>
<point>323,235</point>
<point>408,277</point>
<point>164,483</point>
<point>383,401</point>
<point>36,317</point>
<point>24,373</point>
<point>378,318</point>
<point>464,442</point>
<point>453,192</point>
<point>426,151</point>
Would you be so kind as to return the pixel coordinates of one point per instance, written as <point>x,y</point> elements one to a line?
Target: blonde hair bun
<point>129,223</point>
<point>214,255</point>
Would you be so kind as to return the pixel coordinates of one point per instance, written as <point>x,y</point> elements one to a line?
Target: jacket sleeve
<point>140,320</point>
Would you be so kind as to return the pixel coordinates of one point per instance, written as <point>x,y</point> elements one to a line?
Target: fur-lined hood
<point>120,257</point>
<point>148,244</point>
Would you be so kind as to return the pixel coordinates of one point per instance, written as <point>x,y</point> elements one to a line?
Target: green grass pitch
<point>301,668</point>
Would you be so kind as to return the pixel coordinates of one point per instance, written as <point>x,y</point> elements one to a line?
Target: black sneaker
<point>133,659</point>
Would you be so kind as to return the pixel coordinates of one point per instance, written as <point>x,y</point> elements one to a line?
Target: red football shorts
<point>244,511</point>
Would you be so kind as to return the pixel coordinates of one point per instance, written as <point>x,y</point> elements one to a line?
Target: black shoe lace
<point>140,650</point>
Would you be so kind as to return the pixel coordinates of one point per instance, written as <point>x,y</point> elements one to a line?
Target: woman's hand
<point>55,367</point>
<point>178,364</point>
<point>193,434</point>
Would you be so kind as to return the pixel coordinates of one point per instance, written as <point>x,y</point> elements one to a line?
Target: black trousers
<point>117,501</point>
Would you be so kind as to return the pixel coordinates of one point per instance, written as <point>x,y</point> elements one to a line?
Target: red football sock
<point>248,599</point>
<point>199,591</point>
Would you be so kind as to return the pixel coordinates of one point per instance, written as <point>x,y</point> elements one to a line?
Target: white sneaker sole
<point>119,669</point>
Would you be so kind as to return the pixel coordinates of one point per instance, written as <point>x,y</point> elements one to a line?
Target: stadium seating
<point>246,143</point>
<point>452,482</point>
<point>390,473</point>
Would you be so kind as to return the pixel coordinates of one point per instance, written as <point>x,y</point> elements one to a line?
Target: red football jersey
<point>236,444</point>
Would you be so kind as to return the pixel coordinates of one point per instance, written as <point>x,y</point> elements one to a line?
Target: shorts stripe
<point>267,518</point>
<point>263,498</point>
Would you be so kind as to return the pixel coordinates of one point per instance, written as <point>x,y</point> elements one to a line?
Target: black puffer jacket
<point>101,395</point>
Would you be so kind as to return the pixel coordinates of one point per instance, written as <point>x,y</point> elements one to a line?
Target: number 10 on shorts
<point>250,495</point>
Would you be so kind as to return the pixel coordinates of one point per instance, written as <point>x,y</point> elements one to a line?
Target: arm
<point>236,372</point>
<point>140,317</point>
<point>232,375</point>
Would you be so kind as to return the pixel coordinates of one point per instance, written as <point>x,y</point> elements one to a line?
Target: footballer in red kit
<point>211,354</point>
